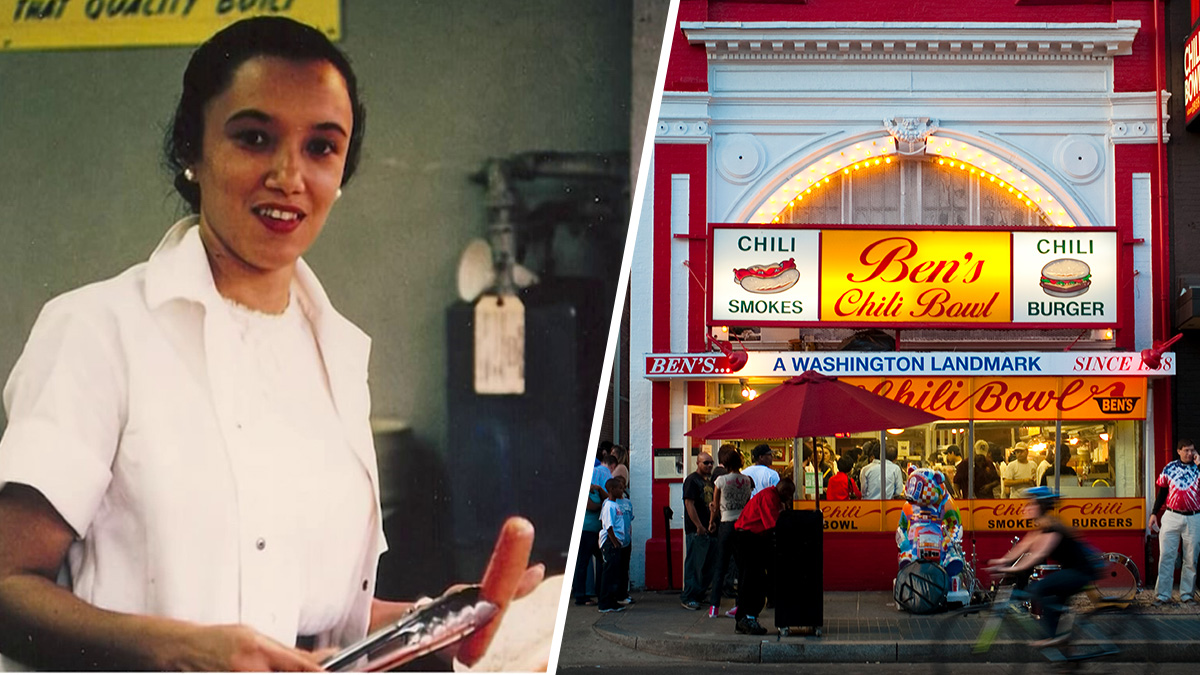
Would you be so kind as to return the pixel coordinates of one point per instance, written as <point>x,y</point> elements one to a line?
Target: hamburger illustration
<point>773,278</point>
<point>1066,278</point>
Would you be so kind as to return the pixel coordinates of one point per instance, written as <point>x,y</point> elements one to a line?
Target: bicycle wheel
<point>921,587</point>
<point>967,638</point>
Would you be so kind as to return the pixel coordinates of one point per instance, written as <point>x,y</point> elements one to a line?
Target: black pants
<point>626,556</point>
<point>589,549</point>
<point>725,546</point>
<point>1050,595</point>
<point>753,553</point>
<point>612,590</point>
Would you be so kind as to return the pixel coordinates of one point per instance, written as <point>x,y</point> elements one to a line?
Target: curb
<point>776,649</point>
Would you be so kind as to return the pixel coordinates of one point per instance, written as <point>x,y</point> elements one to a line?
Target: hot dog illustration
<point>772,278</point>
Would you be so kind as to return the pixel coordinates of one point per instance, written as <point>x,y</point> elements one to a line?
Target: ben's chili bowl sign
<point>950,276</point>
<point>920,276</point>
<point>1000,398</point>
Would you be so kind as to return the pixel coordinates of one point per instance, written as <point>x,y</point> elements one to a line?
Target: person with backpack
<point>1050,540</point>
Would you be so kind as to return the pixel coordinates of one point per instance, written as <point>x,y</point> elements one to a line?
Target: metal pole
<point>971,464</point>
<point>882,463</point>
<point>816,474</point>
<point>1058,461</point>
<point>670,567</point>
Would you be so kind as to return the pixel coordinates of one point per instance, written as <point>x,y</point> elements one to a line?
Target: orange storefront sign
<point>1015,398</point>
<point>985,515</point>
<point>924,276</point>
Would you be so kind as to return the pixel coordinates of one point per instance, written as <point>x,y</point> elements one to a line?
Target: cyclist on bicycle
<point>1051,540</point>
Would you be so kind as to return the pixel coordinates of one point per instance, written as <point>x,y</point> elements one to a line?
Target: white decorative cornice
<point>682,131</point>
<point>896,42</point>
<point>684,118</point>
<point>1133,118</point>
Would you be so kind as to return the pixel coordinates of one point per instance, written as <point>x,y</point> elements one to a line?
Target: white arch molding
<point>779,185</point>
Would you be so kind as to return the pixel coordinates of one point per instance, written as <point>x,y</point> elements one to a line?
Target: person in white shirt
<point>191,438</point>
<point>1019,473</point>
<point>891,485</point>
<point>614,538</point>
<point>760,471</point>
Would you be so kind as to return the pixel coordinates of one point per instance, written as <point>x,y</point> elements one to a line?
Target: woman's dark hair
<point>732,461</point>
<point>845,464</point>
<point>211,69</point>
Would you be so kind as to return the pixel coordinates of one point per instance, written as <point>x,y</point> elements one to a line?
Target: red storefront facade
<point>808,131</point>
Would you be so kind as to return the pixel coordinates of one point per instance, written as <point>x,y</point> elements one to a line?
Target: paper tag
<point>499,345</point>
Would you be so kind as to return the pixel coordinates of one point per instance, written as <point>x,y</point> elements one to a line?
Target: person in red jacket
<point>754,534</point>
<point>842,486</point>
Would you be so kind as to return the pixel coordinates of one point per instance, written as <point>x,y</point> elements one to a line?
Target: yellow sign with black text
<point>984,515</point>
<point>81,24</point>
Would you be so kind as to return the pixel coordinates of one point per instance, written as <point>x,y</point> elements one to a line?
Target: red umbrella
<point>812,404</point>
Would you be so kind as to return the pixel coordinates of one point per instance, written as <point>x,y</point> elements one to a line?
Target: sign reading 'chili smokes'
<point>780,277</point>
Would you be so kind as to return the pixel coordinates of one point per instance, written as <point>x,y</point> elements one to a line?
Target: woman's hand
<point>236,649</point>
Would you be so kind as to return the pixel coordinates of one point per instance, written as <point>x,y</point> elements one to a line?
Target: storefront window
<point>911,191</point>
<point>1102,459</point>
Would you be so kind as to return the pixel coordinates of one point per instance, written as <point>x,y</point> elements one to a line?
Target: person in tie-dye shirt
<point>1179,491</point>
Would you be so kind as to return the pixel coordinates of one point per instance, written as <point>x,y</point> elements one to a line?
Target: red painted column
<point>672,160</point>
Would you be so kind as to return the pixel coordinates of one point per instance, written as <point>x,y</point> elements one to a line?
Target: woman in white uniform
<point>190,439</point>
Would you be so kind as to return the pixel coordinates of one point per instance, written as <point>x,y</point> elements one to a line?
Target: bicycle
<point>1004,623</point>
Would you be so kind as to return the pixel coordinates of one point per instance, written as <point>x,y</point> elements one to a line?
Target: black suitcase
<point>797,578</point>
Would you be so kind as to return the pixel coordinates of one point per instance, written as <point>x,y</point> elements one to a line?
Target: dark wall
<point>1183,159</point>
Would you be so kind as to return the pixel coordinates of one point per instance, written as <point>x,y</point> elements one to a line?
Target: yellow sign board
<point>984,515</point>
<point>78,24</point>
<point>923,276</point>
<point>1015,398</point>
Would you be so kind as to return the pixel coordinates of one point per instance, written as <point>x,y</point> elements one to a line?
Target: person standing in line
<point>987,479</point>
<point>1018,473</point>
<point>1063,456</point>
<point>731,492</point>
<point>1043,466</point>
<point>820,467</point>
<point>626,551</point>
<point>600,470</point>
<point>589,549</point>
<point>950,466</point>
<point>613,539</point>
<point>876,480</point>
<point>999,459</point>
<point>842,486</point>
<point>1179,491</point>
<point>761,472</point>
<point>870,451</point>
<point>619,468</point>
<point>754,531</point>
<point>697,534</point>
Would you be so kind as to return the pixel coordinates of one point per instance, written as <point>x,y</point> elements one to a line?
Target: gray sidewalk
<point>865,627</point>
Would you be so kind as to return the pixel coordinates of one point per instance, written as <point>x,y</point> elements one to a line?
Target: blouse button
<point>364,584</point>
<point>260,544</point>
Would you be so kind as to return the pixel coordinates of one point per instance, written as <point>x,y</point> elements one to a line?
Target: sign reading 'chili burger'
<point>909,276</point>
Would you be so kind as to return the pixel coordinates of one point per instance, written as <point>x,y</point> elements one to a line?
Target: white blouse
<point>181,450</point>
<point>282,385</point>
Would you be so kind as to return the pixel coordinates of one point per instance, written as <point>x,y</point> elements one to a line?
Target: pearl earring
<point>189,175</point>
<point>338,194</point>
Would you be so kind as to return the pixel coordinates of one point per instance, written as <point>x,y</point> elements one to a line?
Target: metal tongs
<point>423,630</point>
